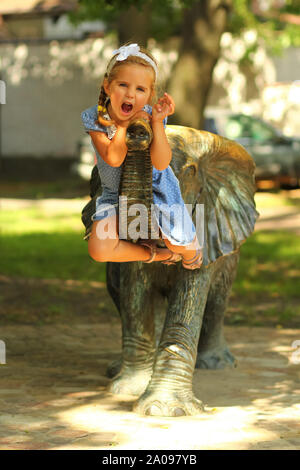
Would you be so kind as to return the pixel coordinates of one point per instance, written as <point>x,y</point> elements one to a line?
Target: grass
<point>267,286</point>
<point>39,244</point>
<point>269,265</point>
<point>48,244</point>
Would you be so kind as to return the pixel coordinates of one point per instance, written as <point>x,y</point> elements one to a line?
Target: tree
<point>202,27</point>
<point>199,24</point>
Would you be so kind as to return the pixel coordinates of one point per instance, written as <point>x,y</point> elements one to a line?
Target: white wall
<point>288,65</point>
<point>47,87</point>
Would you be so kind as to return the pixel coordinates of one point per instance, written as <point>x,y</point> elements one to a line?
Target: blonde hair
<point>111,75</point>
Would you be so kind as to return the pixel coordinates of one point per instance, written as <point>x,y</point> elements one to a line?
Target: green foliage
<point>272,25</point>
<point>166,18</point>
<point>89,10</point>
<point>241,17</point>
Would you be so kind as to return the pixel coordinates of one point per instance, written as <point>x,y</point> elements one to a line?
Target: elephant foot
<point>131,382</point>
<point>114,368</point>
<point>173,404</point>
<point>216,359</point>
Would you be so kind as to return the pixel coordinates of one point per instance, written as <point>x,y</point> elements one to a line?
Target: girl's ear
<point>106,86</point>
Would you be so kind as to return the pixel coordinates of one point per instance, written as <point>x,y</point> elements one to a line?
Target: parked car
<point>277,157</point>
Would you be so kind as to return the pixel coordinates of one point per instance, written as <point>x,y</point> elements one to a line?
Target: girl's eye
<point>141,89</point>
<point>122,84</point>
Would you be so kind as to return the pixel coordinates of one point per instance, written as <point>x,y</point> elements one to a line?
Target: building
<point>49,72</point>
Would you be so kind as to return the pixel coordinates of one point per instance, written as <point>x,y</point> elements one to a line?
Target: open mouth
<point>126,108</point>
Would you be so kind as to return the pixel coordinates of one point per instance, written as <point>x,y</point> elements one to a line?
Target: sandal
<point>193,263</point>
<point>152,245</point>
<point>174,258</point>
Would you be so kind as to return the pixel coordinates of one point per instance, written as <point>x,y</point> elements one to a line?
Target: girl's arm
<point>112,151</point>
<point>160,150</point>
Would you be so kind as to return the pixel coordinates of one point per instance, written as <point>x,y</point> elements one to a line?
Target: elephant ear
<point>227,187</point>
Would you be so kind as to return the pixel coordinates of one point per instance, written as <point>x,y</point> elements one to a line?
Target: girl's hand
<point>163,108</point>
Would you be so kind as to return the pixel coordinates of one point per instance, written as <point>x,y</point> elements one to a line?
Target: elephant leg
<point>213,352</point>
<point>138,338</point>
<point>170,393</point>
<point>113,287</point>
<point>113,282</point>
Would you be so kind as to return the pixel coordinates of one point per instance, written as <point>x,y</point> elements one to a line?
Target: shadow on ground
<point>53,393</point>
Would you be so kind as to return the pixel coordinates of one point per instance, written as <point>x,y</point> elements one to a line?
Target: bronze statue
<point>172,318</point>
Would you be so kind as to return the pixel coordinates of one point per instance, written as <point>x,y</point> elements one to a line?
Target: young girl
<point>126,93</point>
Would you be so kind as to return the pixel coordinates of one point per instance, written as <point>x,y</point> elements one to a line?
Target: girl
<point>126,92</point>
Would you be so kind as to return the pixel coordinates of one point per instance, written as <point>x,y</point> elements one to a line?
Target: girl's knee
<point>94,251</point>
<point>101,250</point>
<point>101,245</point>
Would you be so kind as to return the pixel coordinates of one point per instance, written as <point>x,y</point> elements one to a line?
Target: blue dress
<point>170,212</point>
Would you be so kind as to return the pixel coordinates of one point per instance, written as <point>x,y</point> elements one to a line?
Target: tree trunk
<point>133,25</point>
<point>203,25</point>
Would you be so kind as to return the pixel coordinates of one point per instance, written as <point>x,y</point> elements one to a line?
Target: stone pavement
<point>53,395</point>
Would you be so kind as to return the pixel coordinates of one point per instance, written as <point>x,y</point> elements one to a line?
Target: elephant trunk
<point>136,181</point>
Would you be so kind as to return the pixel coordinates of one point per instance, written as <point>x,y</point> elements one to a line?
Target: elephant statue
<point>172,318</point>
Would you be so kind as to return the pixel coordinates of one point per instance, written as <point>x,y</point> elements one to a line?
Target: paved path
<point>53,394</point>
<point>283,218</point>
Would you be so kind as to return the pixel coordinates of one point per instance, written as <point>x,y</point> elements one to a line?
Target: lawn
<point>44,242</point>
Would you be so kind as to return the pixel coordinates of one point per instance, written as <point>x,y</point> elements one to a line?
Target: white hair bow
<point>132,49</point>
<point>125,51</point>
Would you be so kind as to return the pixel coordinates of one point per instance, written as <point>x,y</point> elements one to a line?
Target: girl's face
<point>129,91</point>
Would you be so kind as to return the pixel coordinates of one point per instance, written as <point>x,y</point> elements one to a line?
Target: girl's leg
<point>104,244</point>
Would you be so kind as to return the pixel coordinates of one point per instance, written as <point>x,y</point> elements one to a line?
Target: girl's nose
<point>130,92</point>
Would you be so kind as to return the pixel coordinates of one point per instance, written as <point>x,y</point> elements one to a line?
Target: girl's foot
<point>195,262</point>
<point>174,258</point>
<point>152,245</point>
<point>157,253</point>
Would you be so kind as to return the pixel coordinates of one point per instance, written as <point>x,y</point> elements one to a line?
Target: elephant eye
<point>190,171</point>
